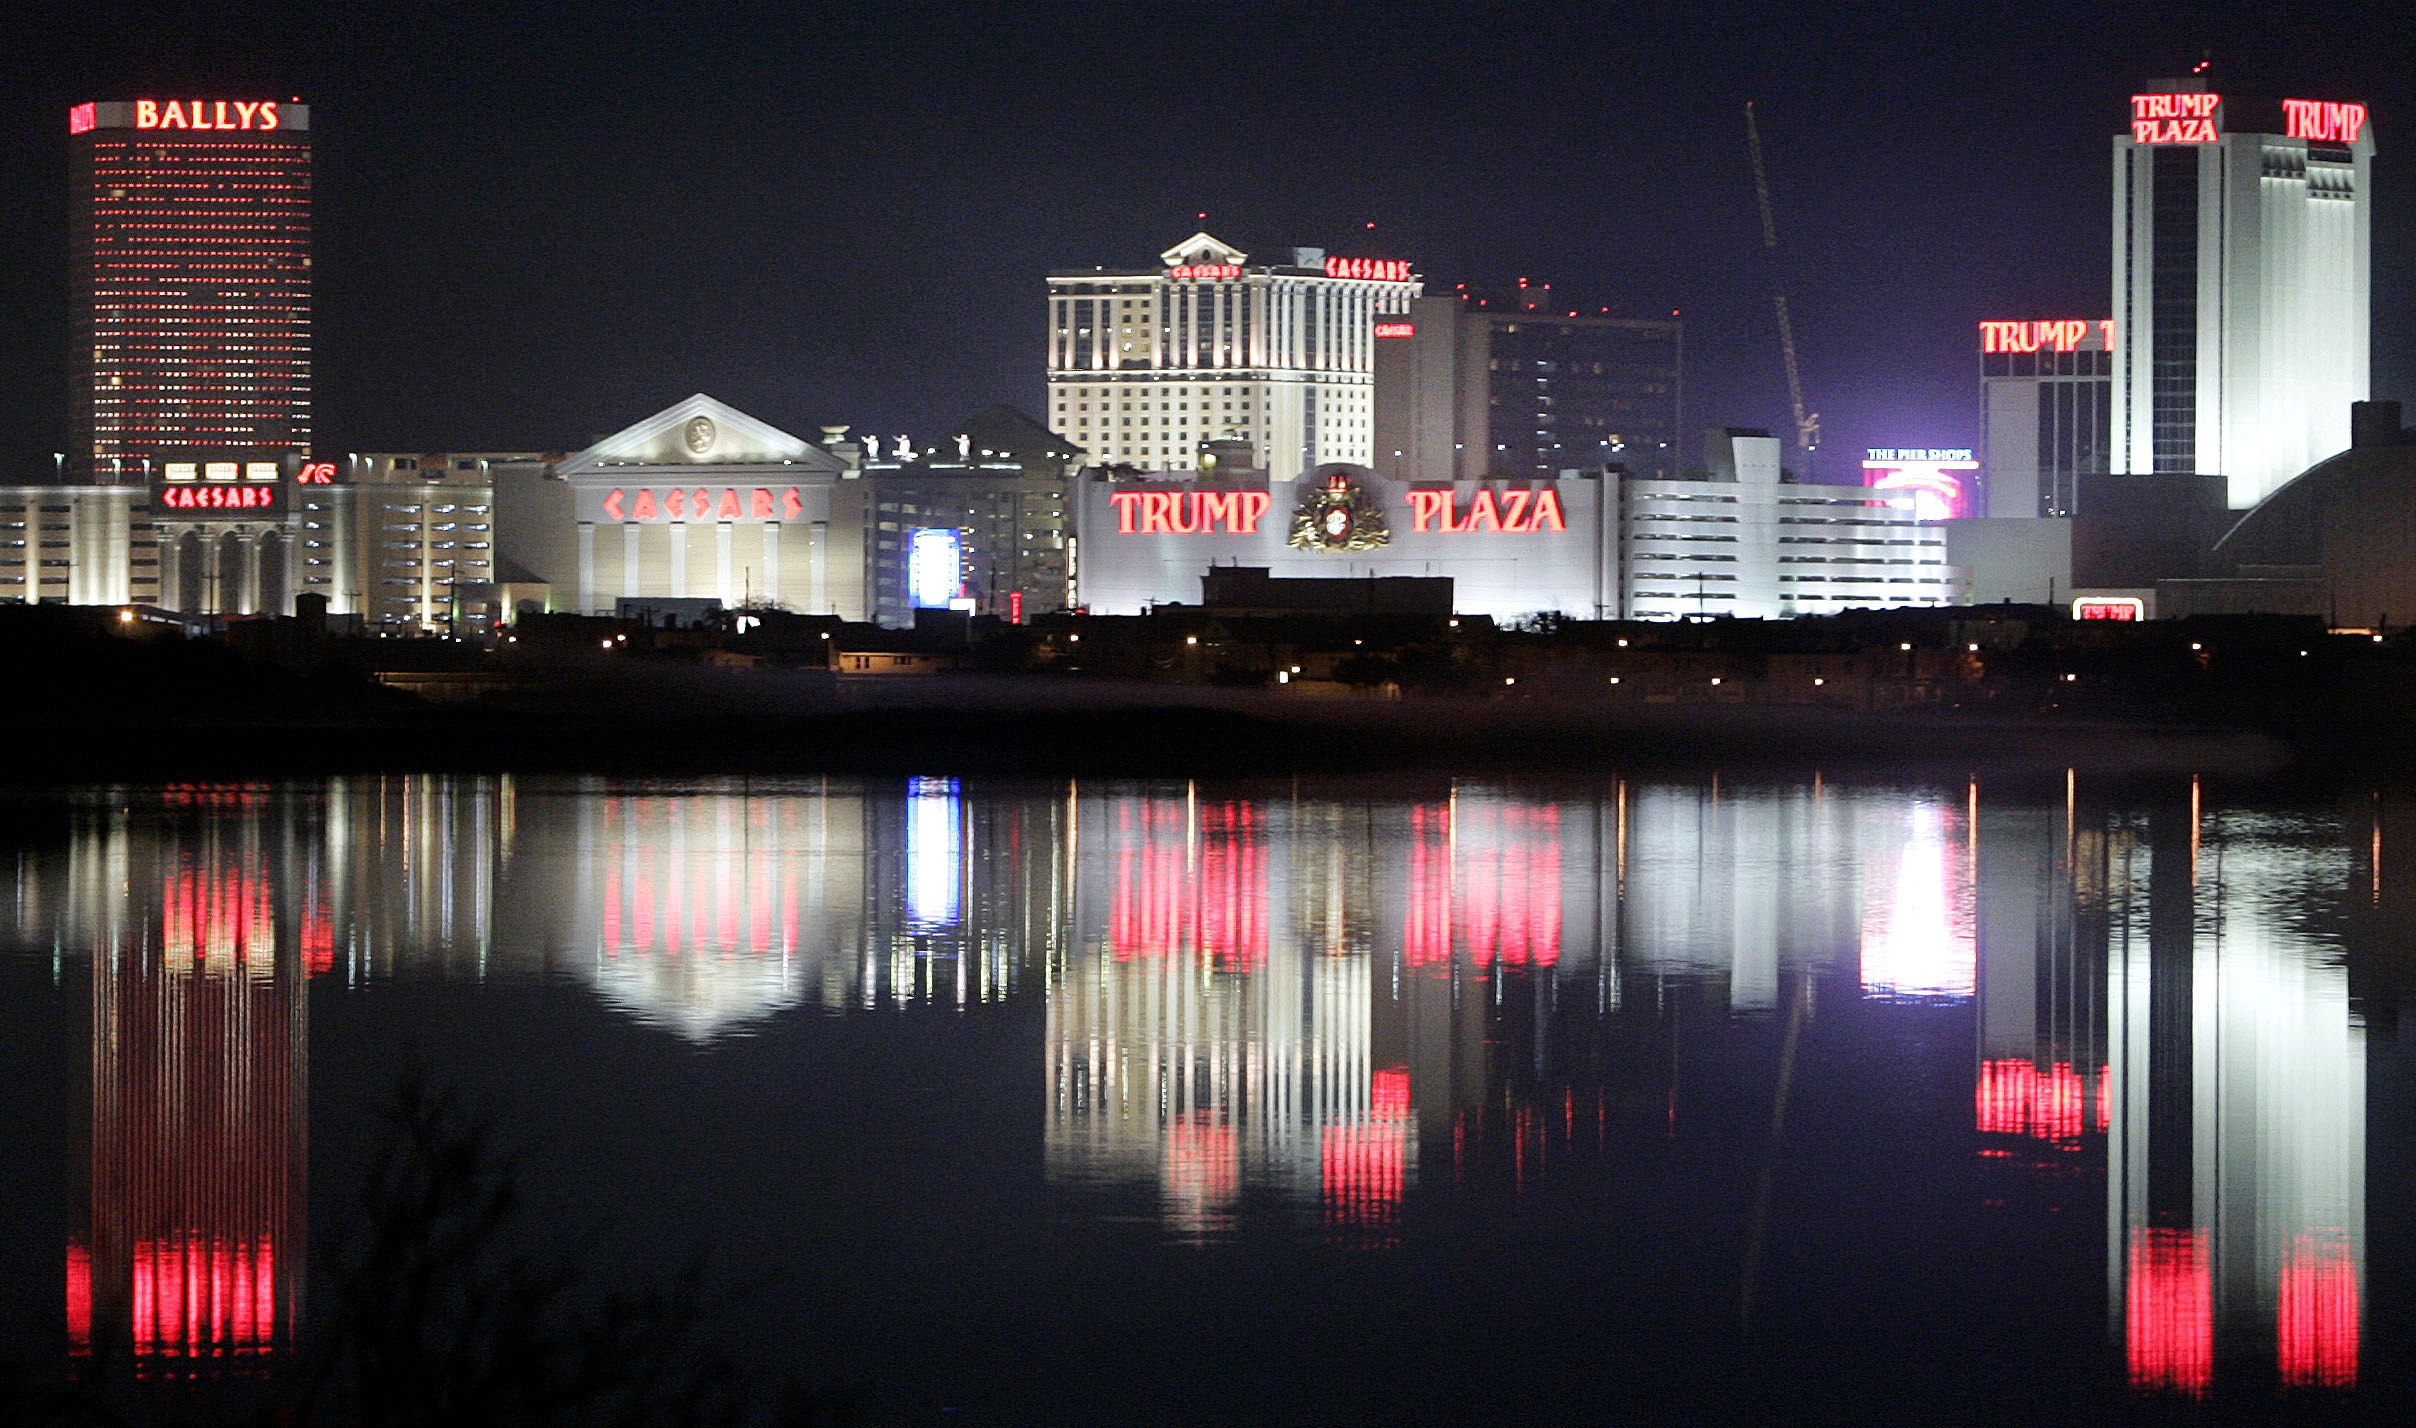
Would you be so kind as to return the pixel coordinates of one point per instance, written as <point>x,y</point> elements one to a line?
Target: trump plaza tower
<point>2241,293</point>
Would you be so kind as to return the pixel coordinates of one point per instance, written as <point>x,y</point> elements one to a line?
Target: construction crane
<point>1807,424</point>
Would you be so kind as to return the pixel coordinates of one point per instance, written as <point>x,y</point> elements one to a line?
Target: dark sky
<point>537,225</point>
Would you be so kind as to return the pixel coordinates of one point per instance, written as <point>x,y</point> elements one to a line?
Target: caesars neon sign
<point>2063,335</point>
<point>1381,270</point>
<point>2322,123</point>
<point>2109,607</point>
<point>700,504</point>
<point>1186,271</point>
<point>1189,512</point>
<point>1510,512</point>
<point>2174,118</point>
<point>1396,329</point>
<point>218,498</point>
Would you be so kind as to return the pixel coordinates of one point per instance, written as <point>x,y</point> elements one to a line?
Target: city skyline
<point>511,261</point>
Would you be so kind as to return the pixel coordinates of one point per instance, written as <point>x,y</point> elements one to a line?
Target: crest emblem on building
<point>1339,516</point>
<point>701,434</point>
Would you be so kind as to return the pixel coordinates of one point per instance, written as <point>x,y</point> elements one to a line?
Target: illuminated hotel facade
<point>1147,366</point>
<point>1589,545</point>
<point>191,320</point>
<point>1467,390</point>
<point>2241,284</point>
<point>2046,412</point>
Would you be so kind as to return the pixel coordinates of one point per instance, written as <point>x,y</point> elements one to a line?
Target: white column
<point>771,563</point>
<point>31,513</point>
<point>247,593</point>
<point>629,560</point>
<point>722,571</point>
<point>1222,354</point>
<point>587,567</point>
<point>678,531</point>
<point>818,571</point>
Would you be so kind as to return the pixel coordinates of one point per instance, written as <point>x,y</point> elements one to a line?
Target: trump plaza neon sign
<point>1189,512</point>
<point>758,504</point>
<point>1510,512</point>
<point>2174,118</point>
<point>2322,123</point>
<point>1239,512</point>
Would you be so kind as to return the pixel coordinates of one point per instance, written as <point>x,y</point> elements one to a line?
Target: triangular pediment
<point>1202,250</point>
<point>700,432</point>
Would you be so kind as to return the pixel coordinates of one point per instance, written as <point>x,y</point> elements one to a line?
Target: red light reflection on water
<point>216,916</point>
<point>1486,878</point>
<point>195,1299</point>
<point>1362,1165</point>
<point>1170,901</point>
<point>2169,1310</point>
<point>1203,1168</point>
<point>2315,1328</point>
<point>2016,1098</point>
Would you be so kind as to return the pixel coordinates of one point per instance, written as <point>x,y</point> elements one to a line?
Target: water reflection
<point>192,1251</point>
<point>1259,998</point>
<point>2236,1143</point>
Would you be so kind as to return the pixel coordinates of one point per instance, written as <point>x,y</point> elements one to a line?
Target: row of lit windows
<point>211,228</point>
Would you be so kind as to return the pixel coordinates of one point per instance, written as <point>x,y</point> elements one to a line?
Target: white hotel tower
<point>2240,284</point>
<point>1145,366</point>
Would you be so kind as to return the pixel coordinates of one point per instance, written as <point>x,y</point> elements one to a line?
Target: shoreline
<point>1008,727</point>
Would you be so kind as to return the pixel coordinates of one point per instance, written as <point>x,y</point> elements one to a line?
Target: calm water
<point>1264,1103</point>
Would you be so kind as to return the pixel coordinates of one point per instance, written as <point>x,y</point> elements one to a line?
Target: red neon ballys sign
<point>758,504</point>
<point>1381,270</point>
<point>206,114</point>
<point>219,498</point>
<point>1509,512</point>
<point>1189,512</point>
<point>2174,118</point>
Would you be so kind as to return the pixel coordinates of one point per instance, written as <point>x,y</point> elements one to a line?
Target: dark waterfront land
<point>1184,693</point>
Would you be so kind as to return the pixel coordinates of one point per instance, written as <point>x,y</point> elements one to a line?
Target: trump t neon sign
<point>2060,335</point>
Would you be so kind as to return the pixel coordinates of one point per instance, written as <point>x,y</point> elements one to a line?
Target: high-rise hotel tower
<point>2240,284</point>
<point>1147,366</point>
<point>192,228</point>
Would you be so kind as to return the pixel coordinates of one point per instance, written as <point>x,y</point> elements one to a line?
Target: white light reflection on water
<point>1331,1004</point>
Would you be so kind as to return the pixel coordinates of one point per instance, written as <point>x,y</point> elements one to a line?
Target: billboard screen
<point>1940,479</point>
<point>935,562</point>
<point>220,485</point>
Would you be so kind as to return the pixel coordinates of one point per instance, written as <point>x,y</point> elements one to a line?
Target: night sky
<point>538,225</point>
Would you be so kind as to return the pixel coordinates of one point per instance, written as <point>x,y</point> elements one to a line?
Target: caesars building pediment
<point>699,432</point>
